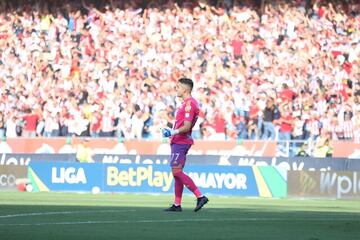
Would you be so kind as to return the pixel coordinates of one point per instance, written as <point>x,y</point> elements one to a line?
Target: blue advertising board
<point>264,181</point>
<point>64,176</point>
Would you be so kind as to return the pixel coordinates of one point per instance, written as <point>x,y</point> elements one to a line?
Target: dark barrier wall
<point>328,164</point>
<point>201,147</point>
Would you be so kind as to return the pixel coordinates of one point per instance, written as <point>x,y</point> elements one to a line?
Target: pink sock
<point>188,182</point>
<point>179,187</point>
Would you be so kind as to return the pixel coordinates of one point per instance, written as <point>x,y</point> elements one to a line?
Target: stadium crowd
<point>109,68</point>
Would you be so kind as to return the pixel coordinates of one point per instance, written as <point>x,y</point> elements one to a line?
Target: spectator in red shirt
<point>237,47</point>
<point>287,94</point>
<point>286,123</point>
<point>30,121</point>
<point>95,124</point>
<point>219,124</point>
<point>253,130</point>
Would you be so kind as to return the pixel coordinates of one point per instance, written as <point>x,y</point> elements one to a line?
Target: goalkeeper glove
<point>166,132</point>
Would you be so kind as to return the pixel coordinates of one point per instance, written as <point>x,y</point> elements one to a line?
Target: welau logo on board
<point>343,184</point>
<point>14,160</point>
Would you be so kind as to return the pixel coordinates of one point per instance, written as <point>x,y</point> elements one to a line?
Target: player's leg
<point>179,188</point>
<point>189,183</point>
<point>178,185</point>
<point>178,162</point>
<point>186,180</point>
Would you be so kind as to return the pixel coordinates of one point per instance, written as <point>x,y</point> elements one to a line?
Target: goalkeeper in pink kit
<point>181,142</point>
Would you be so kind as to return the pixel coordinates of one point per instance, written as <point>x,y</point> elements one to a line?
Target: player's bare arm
<point>185,128</point>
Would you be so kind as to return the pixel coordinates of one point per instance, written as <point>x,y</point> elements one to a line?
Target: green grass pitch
<point>50,216</point>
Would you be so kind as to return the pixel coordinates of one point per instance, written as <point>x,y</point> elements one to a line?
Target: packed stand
<point>109,69</point>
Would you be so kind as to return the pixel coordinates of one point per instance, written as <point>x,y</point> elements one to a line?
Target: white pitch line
<point>61,213</point>
<point>173,220</point>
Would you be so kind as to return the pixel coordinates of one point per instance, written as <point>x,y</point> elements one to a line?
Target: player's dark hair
<point>187,81</point>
